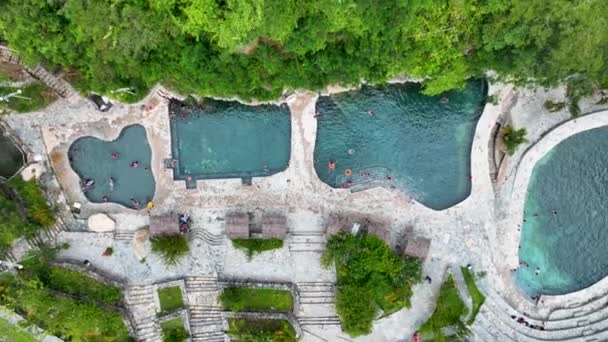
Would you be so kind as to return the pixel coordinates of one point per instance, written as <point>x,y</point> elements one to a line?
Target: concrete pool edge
<point>515,210</point>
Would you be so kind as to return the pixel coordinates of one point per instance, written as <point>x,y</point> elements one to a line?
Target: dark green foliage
<point>70,319</point>
<point>248,330</point>
<point>512,138</point>
<point>258,48</point>
<point>174,331</point>
<point>254,246</point>
<point>448,313</point>
<point>370,278</point>
<point>554,106</point>
<point>170,247</point>
<point>170,298</point>
<point>23,211</point>
<point>80,285</point>
<point>476,296</point>
<point>250,299</point>
<point>39,97</point>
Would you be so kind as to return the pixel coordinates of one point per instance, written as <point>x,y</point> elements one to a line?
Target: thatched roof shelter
<point>237,226</point>
<point>274,226</point>
<point>166,224</point>
<point>417,247</point>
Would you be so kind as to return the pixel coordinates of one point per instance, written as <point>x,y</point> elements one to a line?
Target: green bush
<point>80,285</point>
<point>171,248</point>
<point>449,311</point>
<point>254,246</point>
<point>250,299</point>
<point>174,331</point>
<point>170,298</point>
<point>38,210</point>
<point>512,138</point>
<point>39,97</point>
<point>64,317</point>
<point>370,278</point>
<point>554,106</point>
<point>476,296</point>
<point>248,330</point>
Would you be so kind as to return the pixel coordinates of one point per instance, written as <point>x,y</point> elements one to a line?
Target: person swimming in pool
<point>135,163</point>
<point>111,183</point>
<point>135,203</point>
<point>115,155</point>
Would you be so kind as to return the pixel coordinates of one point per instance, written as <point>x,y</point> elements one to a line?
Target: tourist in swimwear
<point>370,113</point>
<point>134,202</point>
<point>105,198</point>
<point>266,168</point>
<point>135,163</point>
<point>115,155</point>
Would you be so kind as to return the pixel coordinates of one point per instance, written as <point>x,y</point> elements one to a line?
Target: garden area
<point>171,248</point>
<point>250,330</point>
<point>252,247</point>
<point>29,98</point>
<point>371,279</point>
<point>173,330</point>
<point>14,333</point>
<point>448,315</point>
<point>170,299</point>
<point>65,303</point>
<point>252,299</point>
<point>23,211</point>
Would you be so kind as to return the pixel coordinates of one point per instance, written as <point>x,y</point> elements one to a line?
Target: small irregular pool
<point>11,157</point>
<point>396,137</point>
<point>119,170</point>
<point>226,139</point>
<point>564,235</point>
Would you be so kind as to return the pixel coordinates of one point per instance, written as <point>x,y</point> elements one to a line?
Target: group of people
<point>184,223</point>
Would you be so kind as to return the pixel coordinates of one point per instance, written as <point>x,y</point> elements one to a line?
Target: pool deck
<point>480,230</point>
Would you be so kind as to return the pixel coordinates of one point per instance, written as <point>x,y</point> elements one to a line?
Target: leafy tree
<point>512,138</point>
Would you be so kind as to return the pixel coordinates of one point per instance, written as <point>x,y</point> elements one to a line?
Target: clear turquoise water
<point>223,139</point>
<point>422,143</point>
<point>11,158</point>
<point>92,158</point>
<point>568,248</point>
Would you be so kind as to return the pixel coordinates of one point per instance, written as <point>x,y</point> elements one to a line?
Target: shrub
<point>370,278</point>
<point>254,246</point>
<point>108,252</point>
<point>476,296</point>
<point>448,313</point>
<point>174,331</point>
<point>554,106</point>
<point>249,330</point>
<point>512,138</point>
<point>250,299</point>
<point>80,285</point>
<point>170,298</point>
<point>171,248</point>
<point>38,211</point>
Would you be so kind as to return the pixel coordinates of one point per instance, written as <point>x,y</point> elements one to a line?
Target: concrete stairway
<point>141,304</point>
<point>46,236</point>
<point>205,316</point>
<point>202,284</point>
<point>307,241</point>
<point>587,322</point>
<point>58,84</point>
<point>206,236</point>
<point>317,304</point>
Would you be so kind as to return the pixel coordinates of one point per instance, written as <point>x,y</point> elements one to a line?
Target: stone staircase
<point>307,241</point>
<point>58,84</point>
<point>206,236</point>
<point>585,322</point>
<point>205,316</point>
<point>142,306</point>
<point>317,304</point>
<point>7,257</point>
<point>48,235</point>
<point>124,235</point>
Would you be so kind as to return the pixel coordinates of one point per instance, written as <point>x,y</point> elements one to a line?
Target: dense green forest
<point>257,48</point>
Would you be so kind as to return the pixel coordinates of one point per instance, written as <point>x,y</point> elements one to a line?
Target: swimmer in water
<point>115,155</point>
<point>135,163</point>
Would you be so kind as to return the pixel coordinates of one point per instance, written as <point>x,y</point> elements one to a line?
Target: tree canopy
<point>258,48</point>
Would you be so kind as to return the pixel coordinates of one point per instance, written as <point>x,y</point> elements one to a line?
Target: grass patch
<point>476,296</point>
<point>39,97</point>
<point>13,333</point>
<point>171,248</point>
<point>255,246</point>
<point>248,330</point>
<point>250,299</point>
<point>23,211</point>
<point>371,278</point>
<point>173,330</point>
<point>67,318</point>
<point>448,313</point>
<point>170,298</point>
<point>81,285</point>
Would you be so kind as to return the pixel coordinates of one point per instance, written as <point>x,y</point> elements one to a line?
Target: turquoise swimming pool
<point>116,171</point>
<point>564,236</point>
<point>396,137</point>
<point>226,139</point>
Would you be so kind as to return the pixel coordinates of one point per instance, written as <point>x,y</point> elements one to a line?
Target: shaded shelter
<point>165,224</point>
<point>237,226</point>
<point>274,227</point>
